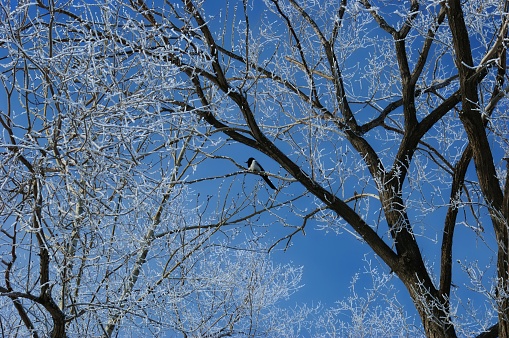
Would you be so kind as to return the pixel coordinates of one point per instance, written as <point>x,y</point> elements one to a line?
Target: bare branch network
<point>127,207</point>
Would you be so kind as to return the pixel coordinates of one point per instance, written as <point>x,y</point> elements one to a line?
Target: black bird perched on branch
<point>255,167</point>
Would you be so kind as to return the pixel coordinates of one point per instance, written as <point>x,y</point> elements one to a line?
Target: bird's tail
<point>268,182</point>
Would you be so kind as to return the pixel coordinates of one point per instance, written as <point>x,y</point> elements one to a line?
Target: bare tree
<point>99,234</point>
<point>374,110</point>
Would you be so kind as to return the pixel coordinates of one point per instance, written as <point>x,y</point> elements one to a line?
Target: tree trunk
<point>483,158</point>
<point>432,308</point>
<point>503,289</point>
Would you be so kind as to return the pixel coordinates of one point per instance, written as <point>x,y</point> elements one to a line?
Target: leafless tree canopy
<point>125,127</point>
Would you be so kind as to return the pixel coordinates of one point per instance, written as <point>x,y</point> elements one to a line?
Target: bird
<point>254,166</point>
